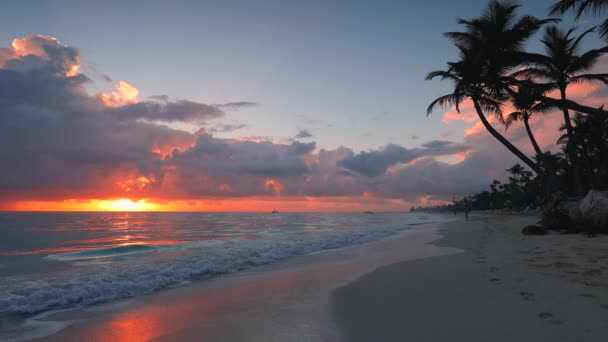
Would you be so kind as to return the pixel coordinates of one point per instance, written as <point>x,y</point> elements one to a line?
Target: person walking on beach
<point>467,209</point>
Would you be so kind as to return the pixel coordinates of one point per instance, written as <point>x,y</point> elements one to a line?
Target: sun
<point>126,205</point>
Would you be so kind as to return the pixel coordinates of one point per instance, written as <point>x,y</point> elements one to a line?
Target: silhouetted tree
<point>490,48</point>
<point>526,103</point>
<point>560,67</point>
<point>581,7</point>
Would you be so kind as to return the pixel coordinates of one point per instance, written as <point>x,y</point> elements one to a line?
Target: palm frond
<point>563,6</point>
<point>533,73</point>
<point>442,74</point>
<point>511,118</point>
<point>577,41</point>
<point>444,101</point>
<point>586,60</point>
<point>603,78</point>
<point>604,29</point>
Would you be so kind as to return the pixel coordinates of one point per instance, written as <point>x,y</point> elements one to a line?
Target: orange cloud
<point>138,183</point>
<point>37,45</point>
<point>248,204</point>
<point>477,128</point>
<point>124,93</point>
<point>467,113</point>
<point>274,186</point>
<point>579,90</point>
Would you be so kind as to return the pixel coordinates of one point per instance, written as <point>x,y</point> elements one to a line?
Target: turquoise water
<point>54,261</point>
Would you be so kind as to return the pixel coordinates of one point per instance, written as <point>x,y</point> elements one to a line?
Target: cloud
<point>467,113</point>
<point>177,111</point>
<point>40,52</point>
<point>58,141</point>
<point>236,105</point>
<point>375,163</point>
<point>124,93</point>
<point>303,134</point>
<point>225,128</point>
<point>239,168</point>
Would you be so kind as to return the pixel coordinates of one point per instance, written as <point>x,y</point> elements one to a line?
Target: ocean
<point>58,260</point>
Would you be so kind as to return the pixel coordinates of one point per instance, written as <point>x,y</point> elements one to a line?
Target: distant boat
<point>369,212</point>
<point>274,211</point>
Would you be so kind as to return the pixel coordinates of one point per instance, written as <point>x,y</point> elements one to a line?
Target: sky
<point>237,105</point>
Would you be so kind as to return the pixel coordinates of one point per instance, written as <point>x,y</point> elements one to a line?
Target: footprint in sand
<point>494,280</point>
<point>561,264</point>
<point>527,295</point>
<point>494,269</point>
<point>545,314</point>
<point>592,272</point>
<point>587,295</point>
<point>591,283</point>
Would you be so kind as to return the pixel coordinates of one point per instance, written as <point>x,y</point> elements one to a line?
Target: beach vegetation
<point>508,85</point>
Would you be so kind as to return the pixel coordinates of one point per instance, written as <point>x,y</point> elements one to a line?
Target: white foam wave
<point>108,282</point>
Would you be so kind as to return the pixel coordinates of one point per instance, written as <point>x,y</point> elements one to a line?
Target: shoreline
<point>503,287</point>
<point>282,301</point>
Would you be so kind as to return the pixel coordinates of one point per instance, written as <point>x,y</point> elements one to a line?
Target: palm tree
<point>525,102</point>
<point>468,83</point>
<point>562,66</point>
<point>591,146</point>
<point>583,6</point>
<point>490,48</point>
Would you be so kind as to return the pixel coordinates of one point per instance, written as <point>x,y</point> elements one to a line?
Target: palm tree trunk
<point>504,141</point>
<point>539,153</point>
<point>550,183</point>
<point>576,172</point>
<point>569,104</point>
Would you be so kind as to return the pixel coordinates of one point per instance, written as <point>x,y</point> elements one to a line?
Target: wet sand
<point>283,301</point>
<point>504,287</point>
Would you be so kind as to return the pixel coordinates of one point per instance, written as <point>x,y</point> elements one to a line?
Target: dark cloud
<point>303,134</point>
<point>107,78</point>
<point>61,141</point>
<point>375,163</point>
<point>37,52</point>
<point>225,128</point>
<point>57,141</point>
<point>181,110</point>
<point>245,166</point>
<point>236,105</point>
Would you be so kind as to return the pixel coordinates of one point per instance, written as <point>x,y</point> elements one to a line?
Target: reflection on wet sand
<point>244,307</point>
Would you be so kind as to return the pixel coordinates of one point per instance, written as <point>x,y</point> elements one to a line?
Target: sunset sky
<point>242,106</point>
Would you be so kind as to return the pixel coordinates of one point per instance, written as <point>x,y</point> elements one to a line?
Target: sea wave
<point>102,252</point>
<point>107,282</point>
<point>125,250</point>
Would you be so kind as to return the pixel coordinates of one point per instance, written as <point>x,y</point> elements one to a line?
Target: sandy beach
<point>460,281</point>
<point>284,301</point>
<point>503,287</point>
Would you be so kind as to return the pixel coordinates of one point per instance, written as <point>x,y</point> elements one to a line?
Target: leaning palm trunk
<point>569,104</point>
<point>571,151</point>
<point>504,141</point>
<point>539,153</point>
